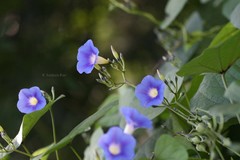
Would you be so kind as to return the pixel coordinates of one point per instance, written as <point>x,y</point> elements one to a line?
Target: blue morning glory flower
<point>30,100</point>
<point>150,91</point>
<point>117,145</point>
<point>87,57</point>
<point>134,119</point>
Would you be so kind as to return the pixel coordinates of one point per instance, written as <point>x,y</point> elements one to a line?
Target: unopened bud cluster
<point>117,64</point>
<point>206,133</point>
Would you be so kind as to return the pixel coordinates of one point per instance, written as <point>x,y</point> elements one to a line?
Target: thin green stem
<point>178,113</point>
<point>225,85</point>
<point>224,80</point>
<point>186,97</point>
<point>126,81</point>
<point>130,84</point>
<point>23,153</point>
<point>53,93</point>
<point>230,149</point>
<point>26,149</point>
<point>181,106</point>
<point>60,97</point>
<point>219,153</point>
<point>135,12</point>
<point>238,118</point>
<point>75,152</point>
<point>221,123</point>
<point>54,132</point>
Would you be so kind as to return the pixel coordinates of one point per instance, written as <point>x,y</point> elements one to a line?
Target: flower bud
<point>226,142</point>
<point>160,75</point>
<point>115,54</point>
<point>195,140</point>
<point>205,118</point>
<point>97,67</point>
<point>201,148</point>
<point>209,125</point>
<point>200,128</point>
<point>101,60</point>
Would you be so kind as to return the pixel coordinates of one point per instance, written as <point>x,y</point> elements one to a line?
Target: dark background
<point>38,47</point>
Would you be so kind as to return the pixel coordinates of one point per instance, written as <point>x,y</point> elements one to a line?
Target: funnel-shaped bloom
<point>117,145</point>
<point>134,119</point>
<point>87,57</point>
<point>150,91</point>
<point>30,100</point>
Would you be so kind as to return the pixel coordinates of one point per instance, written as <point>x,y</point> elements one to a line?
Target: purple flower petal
<point>117,145</point>
<point>135,119</point>
<point>150,91</point>
<point>87,57</point>
<point>30,100</point>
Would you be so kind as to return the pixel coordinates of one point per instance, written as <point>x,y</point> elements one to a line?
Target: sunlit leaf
<point>218,57</point>
<point>223,35</point>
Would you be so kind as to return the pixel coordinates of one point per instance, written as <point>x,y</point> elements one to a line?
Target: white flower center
<point>153,92</point>
<point>92,59</point>
<point>33,101</point>
<point>129,129</point>
<point>114,149</point>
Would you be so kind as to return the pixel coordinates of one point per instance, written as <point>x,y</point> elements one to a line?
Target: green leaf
<point>232,92</point>
<point>111,118</point>
<point>223,35</point>
<point>146,149</point>
<point>178,124</point>
<point>218,57</point>
<point>173,8</point>
<point>80,128</point>
<point>167,148</point>
<point>29,120</point>
<point>234,18</point>
<point>6,158</point>
<point>211,91</point>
